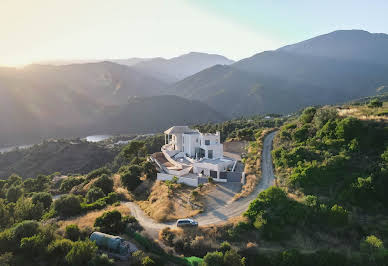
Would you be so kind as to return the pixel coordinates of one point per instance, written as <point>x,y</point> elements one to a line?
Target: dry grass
<point>119,189</point>
<point>166,203</point>
<point>87,220</point>
<point>366,113</point>
<point>253,165</point>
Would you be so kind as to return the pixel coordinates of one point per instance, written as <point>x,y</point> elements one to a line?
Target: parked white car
<point>186,223</point>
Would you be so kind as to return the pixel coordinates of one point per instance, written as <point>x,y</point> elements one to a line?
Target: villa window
<point>183,149</point>
<point>183,139</point>
<point>210,154</point>
<point>196,140</point>
<point>207,142</point>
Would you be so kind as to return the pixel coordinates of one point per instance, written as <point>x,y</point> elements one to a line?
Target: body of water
<point>97,138</point>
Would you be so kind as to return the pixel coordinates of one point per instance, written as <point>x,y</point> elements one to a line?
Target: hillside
<point>66,157</point>
<point>289,78</point>
<point>155,114</point>
<point>177,68</point>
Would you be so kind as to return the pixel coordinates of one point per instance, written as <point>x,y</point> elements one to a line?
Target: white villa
<point>193,157</point>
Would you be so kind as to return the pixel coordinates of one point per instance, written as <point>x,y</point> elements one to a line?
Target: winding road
<point>223,213</point>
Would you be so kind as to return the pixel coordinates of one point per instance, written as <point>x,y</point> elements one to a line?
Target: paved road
<point>223,213</point>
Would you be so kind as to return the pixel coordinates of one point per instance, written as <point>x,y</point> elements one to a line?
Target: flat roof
<point>179,130</point>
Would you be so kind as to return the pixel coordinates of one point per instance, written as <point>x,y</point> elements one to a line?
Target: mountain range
<point>60,99</point>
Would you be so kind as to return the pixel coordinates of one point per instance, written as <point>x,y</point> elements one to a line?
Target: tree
<point>33,246</point>
<point>214,259</point>
<point>58,249</point>
<point>131,178</point>
<point>110,222</point>
<point>324,115</point>
<point>25,209</point>
<point>375,103</point>
<point>81,253</point>
<point>42,197</point>
<point>67,205</point>
<point>105,183</point>
<point>149,170</point>
<point>225,246</point>
<point>94,194</point>
<point>232,258</point>
<point>13,193</point>
<point>102,260</point>
<point>72,232</point>
<point>134,149</point>
<point>308,114</point>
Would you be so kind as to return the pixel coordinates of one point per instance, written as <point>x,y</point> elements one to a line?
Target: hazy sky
<point>35,30</point>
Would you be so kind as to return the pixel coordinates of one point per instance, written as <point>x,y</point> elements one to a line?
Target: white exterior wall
<point>215,145</point>
<point>190,143</point>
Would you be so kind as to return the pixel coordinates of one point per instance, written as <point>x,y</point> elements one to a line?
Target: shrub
<point>102,260</point>
<point>232,258</point>
<point>94,194</point>
<point>58,249</point>
<point>225,246</point>
<point>26,210</point>
<point>214,259</point>
<point>147,261</point>
<point>13,193</point>
<point>105,183</point>
<point>33,246</point>
<point>308,115</point>
<point>42,197</point>
<point>72,232</point>
<point>371,244</point>
<point>70,182</point>
<point>131,178</point>
<point>110,222</point>
<point>67,205</point>
<point>98,172</point>
<point>81,253</point>
<point>375,103</point>
<point>167,236</point>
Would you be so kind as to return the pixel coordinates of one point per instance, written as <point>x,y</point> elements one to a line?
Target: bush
<point>98,172</point>
<point>81,253</point>
<point>72,232</point>
<point>232,258</point>
<point>308,115</point>
<point>225,246</point>
<point>213,259</point>
<point>94,194</point>
<point>371,244</point>
<point>69,183</point>
<point>105,183</point>
<point>26,210</point>
<point>33,246</point>
<point>13,193</point>
<point>44,198</point>
<point>58,249</point>
<point>102,260</point>
<point>67,205</point>
<point>131,178</point>
<point>110,222</point>
<point>167,236</point>
<point>375,103</point>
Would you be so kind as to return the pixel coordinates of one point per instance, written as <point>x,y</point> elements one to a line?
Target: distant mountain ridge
<point>354,45</point>
<point>177,68</point>
<point>332,68</point>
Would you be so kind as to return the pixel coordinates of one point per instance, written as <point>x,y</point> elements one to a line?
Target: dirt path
<point>223,213</point>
